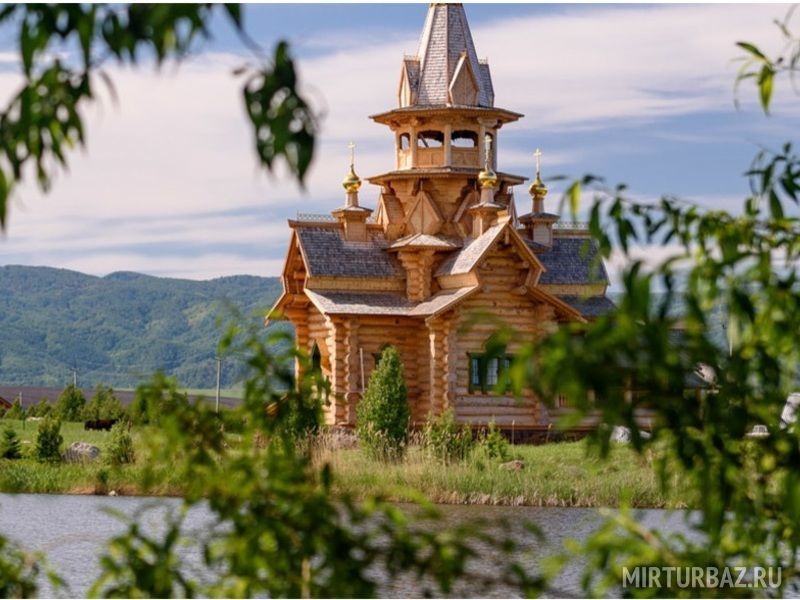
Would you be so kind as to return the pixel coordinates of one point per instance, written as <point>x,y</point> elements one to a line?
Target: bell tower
<point>444,119</point>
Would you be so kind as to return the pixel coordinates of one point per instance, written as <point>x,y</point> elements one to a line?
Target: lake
<point>72,531</point>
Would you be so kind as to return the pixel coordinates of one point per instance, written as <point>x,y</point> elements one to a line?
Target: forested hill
<point>119,328</point>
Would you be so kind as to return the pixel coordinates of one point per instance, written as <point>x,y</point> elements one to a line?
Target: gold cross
<point>487,141</point>
<point>352,147</point>
<point>538,156</point>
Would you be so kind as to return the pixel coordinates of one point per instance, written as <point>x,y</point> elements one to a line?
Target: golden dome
<point>487,178</point>
<point>352,182</point>
<point>538,188</point>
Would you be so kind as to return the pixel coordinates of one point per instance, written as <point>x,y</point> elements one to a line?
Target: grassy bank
<point>562,474</point>
<point>559,474</point>
<point>27,475</point>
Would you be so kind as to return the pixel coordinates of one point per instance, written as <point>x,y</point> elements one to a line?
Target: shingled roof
<point>327,253</point>
<point>590,306</point>
<point>385,304</point>
<point>445,37</point>
<point>571,260</point>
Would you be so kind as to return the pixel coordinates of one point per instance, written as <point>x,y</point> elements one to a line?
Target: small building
<point>444,258</point>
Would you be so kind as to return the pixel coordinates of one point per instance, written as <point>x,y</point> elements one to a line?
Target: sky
<point>169,184</point>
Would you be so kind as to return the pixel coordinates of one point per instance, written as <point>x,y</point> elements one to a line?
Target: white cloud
<point>178,144</point>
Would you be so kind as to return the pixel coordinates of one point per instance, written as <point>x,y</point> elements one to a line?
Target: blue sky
<point>169,184</point>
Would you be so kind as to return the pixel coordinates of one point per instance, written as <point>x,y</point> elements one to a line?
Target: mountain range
<point>120,328</point>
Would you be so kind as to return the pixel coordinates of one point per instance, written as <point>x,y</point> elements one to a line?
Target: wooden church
<point>444,257</point>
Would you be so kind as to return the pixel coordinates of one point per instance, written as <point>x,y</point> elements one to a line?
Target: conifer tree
<point>382,415</point>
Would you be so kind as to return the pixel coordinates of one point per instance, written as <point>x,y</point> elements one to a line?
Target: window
<point>430,139</point>
<point>316,359</point>
<point>486,372</point>
<point>464,139</point>
<point>405,141</point>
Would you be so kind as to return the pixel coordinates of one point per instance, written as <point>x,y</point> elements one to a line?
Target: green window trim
<point>485,371</point>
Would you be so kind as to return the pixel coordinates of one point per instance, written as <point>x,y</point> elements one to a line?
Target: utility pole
<point>74,378</point>
<point>219,369</point>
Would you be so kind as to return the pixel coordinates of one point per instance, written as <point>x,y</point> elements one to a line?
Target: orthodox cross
<point>538,156</point>
<point>352,147</point>
<point>487,141</point>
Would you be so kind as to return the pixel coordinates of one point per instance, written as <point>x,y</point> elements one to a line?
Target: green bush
<point>445,440</point>
<point>16,412</point>
<point>155,399</point>
<point>382,415</point>
<point>40,409</point>
<point>70,404</point>
<point>120,446</point>
<point>49,440</point>
<point>103,405</point>
<point>494,444</point>
<point>10,445</point>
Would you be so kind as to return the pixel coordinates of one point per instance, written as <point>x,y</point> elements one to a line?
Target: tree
<point>16,411</point>
<point>382,415</point>
<point>49,441</point>
<point>103,405</point>
<point>743,492</point>
<point>120,447</point>
<point>40,409</point>
<point>69,406</point>
<point>10,447</point>
<point>44,120</point>
<point>157,398</point>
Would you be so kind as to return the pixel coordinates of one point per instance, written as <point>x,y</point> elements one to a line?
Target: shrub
<point>16,412</point>
<point>70,404</point>
<point>120,446</point>
<point>382,415</point>
<point>158,397</point>
<point>49,440</point>
<point>103,405</point>
<point>494,444</point>
<point>40,409</point>
<point>445,440</point>
<point>10,445</point>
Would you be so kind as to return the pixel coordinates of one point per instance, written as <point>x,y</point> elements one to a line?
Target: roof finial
<point>352,182</point>
<point>538,189</point>
<point>487,178</point>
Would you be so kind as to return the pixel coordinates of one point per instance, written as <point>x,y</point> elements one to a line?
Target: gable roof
<point>571,260</point>
<point>327,253</point>
<point>468,257</point>
<point>386,304</point>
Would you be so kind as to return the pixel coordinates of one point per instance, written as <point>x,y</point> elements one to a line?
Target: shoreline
<point>559,474</point>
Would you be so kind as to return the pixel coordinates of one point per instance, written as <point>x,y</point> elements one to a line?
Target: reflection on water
<point>72,530</point>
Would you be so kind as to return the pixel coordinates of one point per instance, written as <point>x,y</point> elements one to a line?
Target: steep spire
<point>446,69</point>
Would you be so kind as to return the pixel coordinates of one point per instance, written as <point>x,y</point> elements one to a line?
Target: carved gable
<point>424,216</point>
<point>464,86</point>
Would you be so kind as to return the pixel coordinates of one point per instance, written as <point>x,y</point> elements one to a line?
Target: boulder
<point>622,435</point>
<point>513,465</point>
<point>81,452</point>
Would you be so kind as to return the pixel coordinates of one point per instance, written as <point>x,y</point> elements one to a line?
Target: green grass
<point>27,475</point>
<point>557,474</point>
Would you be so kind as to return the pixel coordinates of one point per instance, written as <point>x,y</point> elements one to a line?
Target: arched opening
<point>464,139</point>
<point>430,139</point>
<point>316,359</point>
<point>404,141</point>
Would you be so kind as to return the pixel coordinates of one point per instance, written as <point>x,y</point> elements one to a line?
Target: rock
<point>513,465</point>
<point>81,452</point>
<point>621,435</point>
<point>112,493</point>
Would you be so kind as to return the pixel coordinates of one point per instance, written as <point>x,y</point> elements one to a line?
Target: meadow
<point>556,474</point>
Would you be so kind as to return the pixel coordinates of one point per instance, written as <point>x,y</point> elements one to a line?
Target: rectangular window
<point>486,372</point>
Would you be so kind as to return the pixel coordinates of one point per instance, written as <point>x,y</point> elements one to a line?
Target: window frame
<point>483,359</point>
